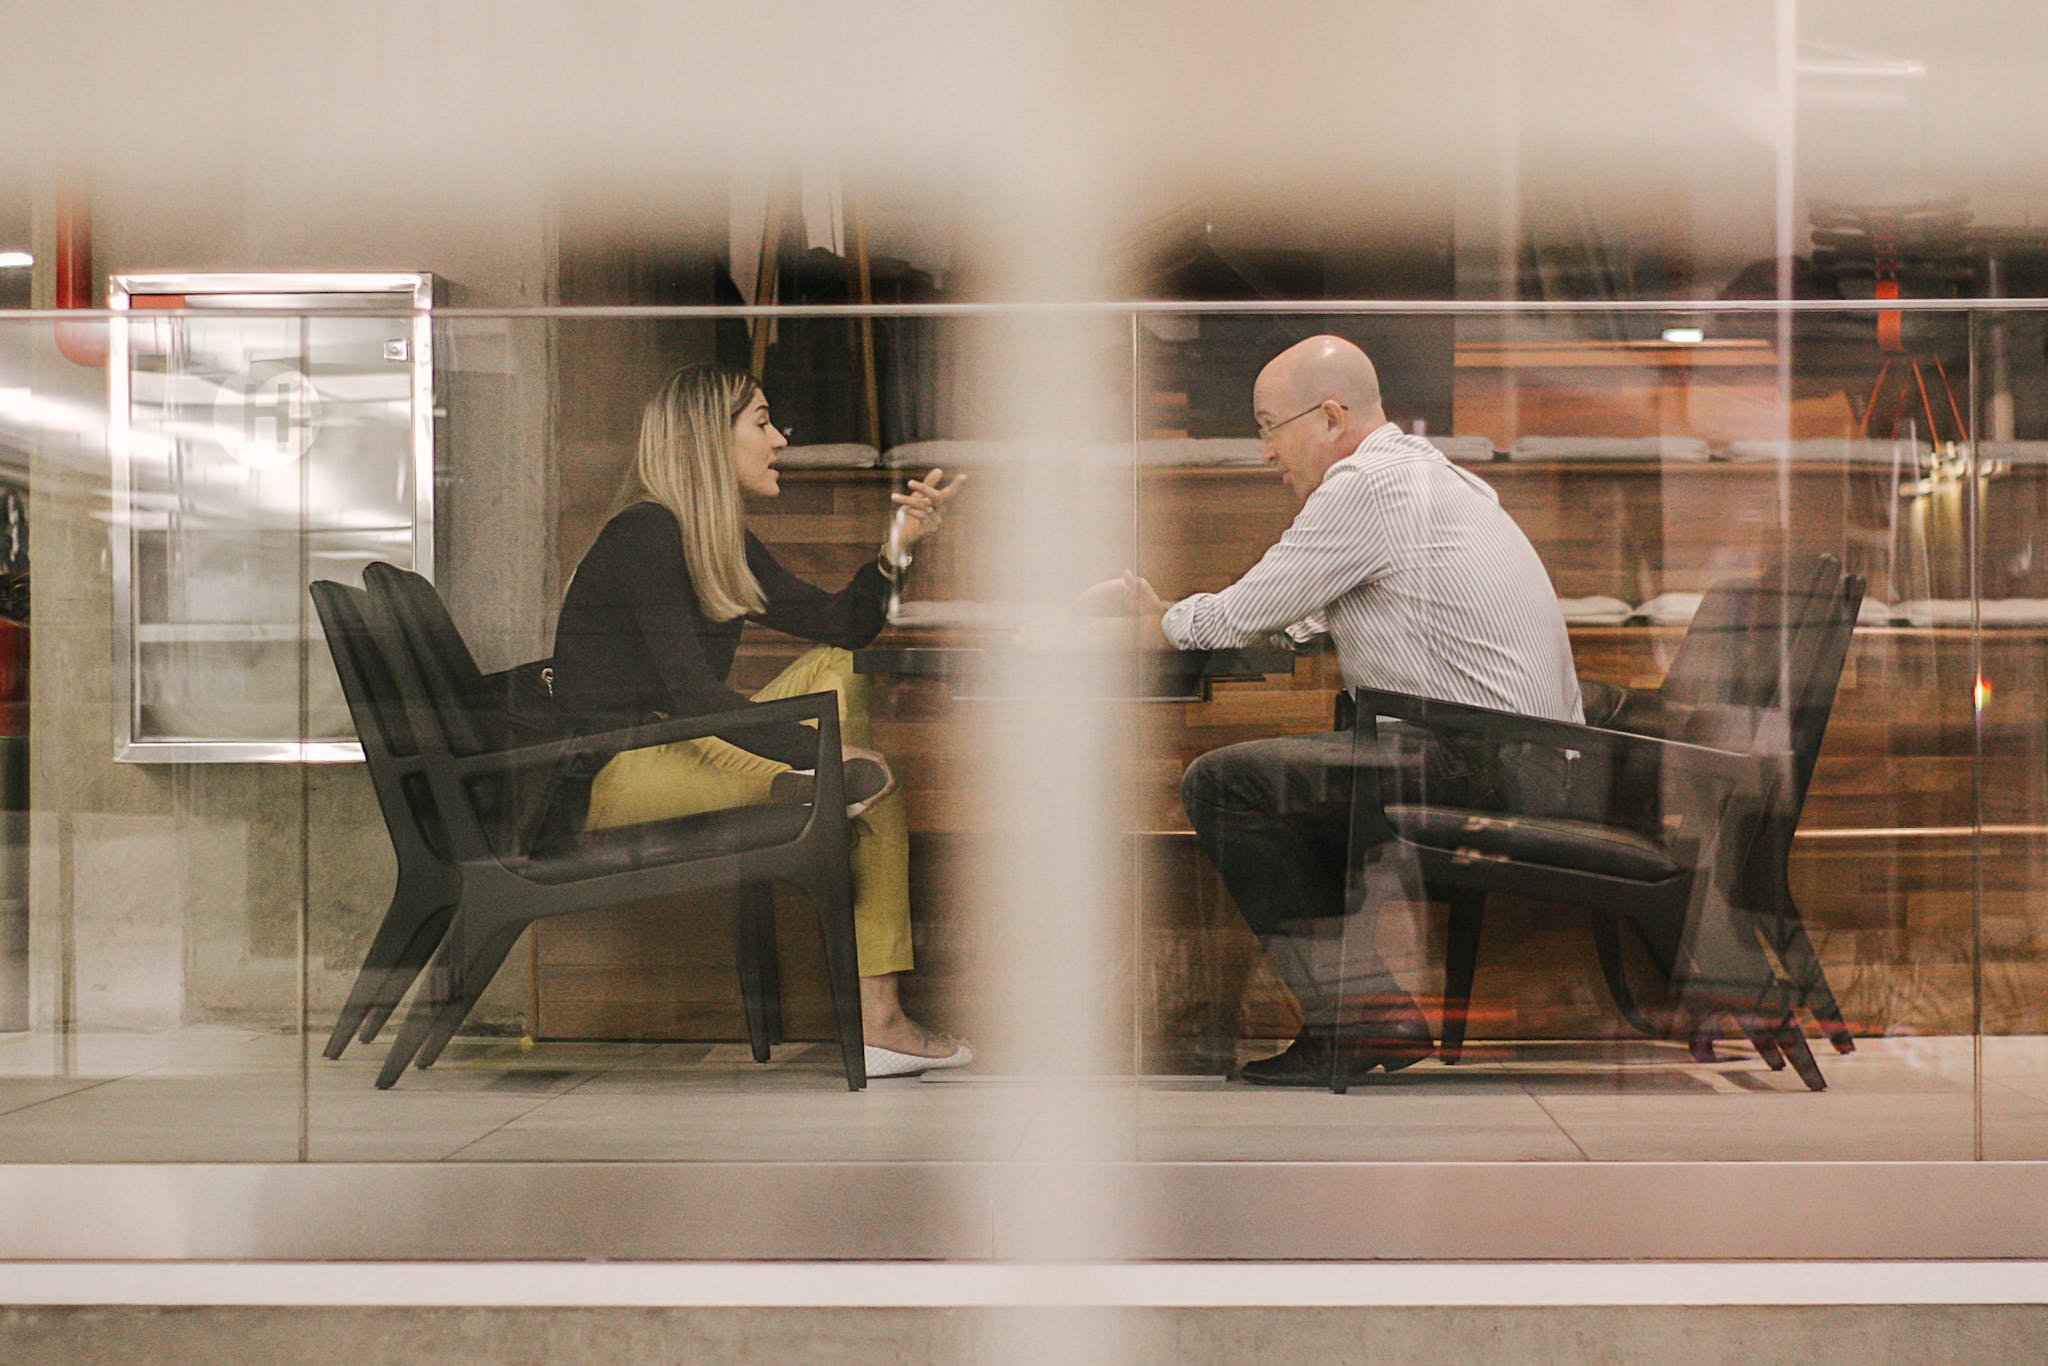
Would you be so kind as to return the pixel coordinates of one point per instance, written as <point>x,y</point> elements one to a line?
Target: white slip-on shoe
<point>864,782</point>
<point>887,1062</point>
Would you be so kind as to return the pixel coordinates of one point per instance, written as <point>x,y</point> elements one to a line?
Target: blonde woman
<point>650,625</point>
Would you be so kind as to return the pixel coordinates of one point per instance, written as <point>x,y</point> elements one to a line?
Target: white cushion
<point>1205,452</point>
<point>1827,450</point>
<point>1670,609</point>
<point>919,456</point>
<point>1595,611</point>
<point>1992,611</point>
<point>1668,448</point>
<point>1466,450</point>
<point>836,455</point>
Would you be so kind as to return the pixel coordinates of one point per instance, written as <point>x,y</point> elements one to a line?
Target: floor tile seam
<point>531,1110</point>
<point>75,1091</point>
<point>1567,1134</point>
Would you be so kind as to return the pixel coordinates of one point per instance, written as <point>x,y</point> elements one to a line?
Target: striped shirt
<point>1425,584</point>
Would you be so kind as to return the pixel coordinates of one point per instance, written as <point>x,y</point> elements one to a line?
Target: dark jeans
<point>1294,828</point>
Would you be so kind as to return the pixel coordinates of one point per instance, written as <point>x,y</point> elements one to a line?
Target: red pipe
<point>81,343</point>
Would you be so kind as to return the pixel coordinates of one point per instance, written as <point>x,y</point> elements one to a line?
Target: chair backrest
<point>1736,650</point>
<point>366,682</point>
<point>458,711</point>
<point>471,721</point>
<point>1823,652</point>
<point>391,745</point>
<point>1778,641</point>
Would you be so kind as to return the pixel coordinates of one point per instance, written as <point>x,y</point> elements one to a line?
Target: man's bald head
<point>1322,368</point>
<point>1315,403</point>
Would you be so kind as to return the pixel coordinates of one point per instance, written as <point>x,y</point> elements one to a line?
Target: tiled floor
<point>214,1094</point>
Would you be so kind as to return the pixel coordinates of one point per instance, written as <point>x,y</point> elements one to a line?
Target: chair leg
<point>476,974</point>
<point>1700,1042</point>
<point>425,940</point>
<point>771,970</point>
<point>1607,941</point>
<point>746,936</point>
<point>1461,962</point>
<point>405,939</point>
<point>1765,1041</point>
<point>1795,950</point>
<point>437,988</point>
<point>832,895</point>
<point>1791,1041</point>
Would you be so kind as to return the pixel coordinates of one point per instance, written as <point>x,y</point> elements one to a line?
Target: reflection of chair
<point>1778,642</point>
<point>1683,829</point>
<point>471,787</point>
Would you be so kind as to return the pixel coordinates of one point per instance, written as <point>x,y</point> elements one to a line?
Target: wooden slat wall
<point>1887,883</point>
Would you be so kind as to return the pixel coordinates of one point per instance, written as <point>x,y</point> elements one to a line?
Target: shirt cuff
<point>1177,621</point>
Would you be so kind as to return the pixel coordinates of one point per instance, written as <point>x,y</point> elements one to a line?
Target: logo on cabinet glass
<point>265,417</point>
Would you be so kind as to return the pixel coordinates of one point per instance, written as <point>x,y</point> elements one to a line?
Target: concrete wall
<point>174,891</point>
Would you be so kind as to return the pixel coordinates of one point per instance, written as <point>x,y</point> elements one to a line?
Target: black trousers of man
<point>1294,827</point>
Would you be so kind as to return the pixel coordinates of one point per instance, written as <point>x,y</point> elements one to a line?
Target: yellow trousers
<point>692,776</point>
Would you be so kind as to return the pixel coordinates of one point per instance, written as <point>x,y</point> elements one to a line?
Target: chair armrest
<point>817,706</point>
<point>1738,767</point>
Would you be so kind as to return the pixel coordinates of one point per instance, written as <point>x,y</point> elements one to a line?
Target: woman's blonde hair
<point>685,465</point>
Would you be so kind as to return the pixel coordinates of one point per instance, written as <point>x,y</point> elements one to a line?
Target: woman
<point>650,625</point>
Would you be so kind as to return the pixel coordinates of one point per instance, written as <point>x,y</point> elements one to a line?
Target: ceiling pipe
<point>81,343</point>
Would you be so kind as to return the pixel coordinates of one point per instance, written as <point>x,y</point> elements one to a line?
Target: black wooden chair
<point>425,893</point>
<point>489,803</point>
<point>1681,826</point>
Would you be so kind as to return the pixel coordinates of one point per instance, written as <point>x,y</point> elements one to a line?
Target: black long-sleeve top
<point>631,639</point>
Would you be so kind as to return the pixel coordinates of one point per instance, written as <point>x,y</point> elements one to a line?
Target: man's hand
<point>1128,596</point>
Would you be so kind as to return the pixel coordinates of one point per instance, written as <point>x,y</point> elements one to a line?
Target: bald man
<point>1425,586</point>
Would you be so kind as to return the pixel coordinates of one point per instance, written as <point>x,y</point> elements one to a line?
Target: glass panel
<point>150,919</point>
<point>1059,774</point>
<point>2007,500</point>
<point>1689,502</point>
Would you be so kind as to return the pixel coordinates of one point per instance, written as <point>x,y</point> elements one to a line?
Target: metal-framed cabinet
<point>266,430</point>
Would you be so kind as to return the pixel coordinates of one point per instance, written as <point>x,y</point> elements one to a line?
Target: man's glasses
<point>1266,432</point>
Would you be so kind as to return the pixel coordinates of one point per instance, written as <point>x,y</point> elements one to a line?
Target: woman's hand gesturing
<point>925,505</point>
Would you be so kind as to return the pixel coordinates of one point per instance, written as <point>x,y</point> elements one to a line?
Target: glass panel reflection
<point>151,917</point>
<point>2008,503</point>
<point>1840,786</point>
<point>252,452</point>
